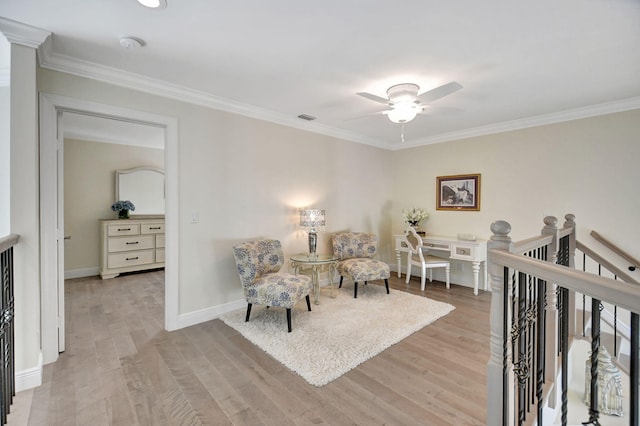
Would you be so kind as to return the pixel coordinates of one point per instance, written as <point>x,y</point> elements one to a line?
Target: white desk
<point>469,251</point>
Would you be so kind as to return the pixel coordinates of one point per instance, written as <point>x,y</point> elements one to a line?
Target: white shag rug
<point>338,334</point>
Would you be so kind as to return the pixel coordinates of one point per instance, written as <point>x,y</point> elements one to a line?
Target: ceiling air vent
<point>307,117</point>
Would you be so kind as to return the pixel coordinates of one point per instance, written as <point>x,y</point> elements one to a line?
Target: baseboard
<point>80,273</point>
<point>204,315</point>
<point>208,314</point>
<point>29,378</point>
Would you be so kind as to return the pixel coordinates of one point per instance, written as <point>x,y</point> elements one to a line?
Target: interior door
<point>60,225</point>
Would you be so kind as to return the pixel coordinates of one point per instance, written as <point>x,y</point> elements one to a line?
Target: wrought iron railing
<point>533,324</point>
<point>7,362</point>
<point>593,262</point>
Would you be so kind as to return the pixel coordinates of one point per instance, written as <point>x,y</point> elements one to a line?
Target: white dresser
<point>128,245</point>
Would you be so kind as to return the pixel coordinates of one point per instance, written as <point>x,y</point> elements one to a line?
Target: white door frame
<point>50,107</point>
<point>60,227</point>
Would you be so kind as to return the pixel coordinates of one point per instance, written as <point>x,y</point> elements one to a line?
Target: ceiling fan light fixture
<point>403,112</point>
<point>153,4</point>
<point>405,92</point>
<point>406,103</point>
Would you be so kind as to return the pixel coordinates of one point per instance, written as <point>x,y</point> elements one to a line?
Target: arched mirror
<point>144,187</point>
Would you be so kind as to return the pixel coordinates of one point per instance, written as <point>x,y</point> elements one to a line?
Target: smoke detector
<point>129,42</point>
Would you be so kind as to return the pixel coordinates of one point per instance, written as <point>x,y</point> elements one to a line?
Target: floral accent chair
<point>258,263</point>
<point>356,251</point>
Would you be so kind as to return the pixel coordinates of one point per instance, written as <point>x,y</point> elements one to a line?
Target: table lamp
<point>311,219</point>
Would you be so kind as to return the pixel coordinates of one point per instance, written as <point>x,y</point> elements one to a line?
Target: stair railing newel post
<point>552,341</point>
<point>570,222</point>
<point>500,375</point>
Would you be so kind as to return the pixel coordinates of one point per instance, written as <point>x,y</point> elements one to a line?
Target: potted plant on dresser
<point>123,208</point>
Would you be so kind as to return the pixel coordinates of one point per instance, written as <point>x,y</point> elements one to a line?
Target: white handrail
<point>608,265</point>
<point>614,248</point>
<point>8,241</point>
<point>532,243</point>
<point>601,288</point>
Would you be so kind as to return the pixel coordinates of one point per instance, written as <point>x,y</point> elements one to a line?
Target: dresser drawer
<point>152,228</point>
<point>138,242</point>
<point>124,229</point>
<point>437,246</point>
<point>160,255</point>
<point>160,241</point>
<point>130,258</point>
<point>131,245</point>
<point>463,252</point>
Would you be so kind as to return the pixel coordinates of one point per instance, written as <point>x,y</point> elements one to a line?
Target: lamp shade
<point>312,218</point>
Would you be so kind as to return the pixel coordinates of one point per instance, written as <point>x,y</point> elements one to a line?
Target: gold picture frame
<point>458,192</point>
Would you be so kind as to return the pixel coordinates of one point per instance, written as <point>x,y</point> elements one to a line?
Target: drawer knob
<point>155,227</point>
<point>124,229</point>
<point>132,258</point>
<point>132,242</point>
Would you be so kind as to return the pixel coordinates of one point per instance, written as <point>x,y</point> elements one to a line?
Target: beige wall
<point>24,205</point>
<point>89,190</point>
<point>586,167</point>
<point>5,114</point>
<point>246,179</point>
<point>5,163</point>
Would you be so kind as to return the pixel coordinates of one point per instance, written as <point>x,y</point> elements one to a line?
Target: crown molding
<point>67,64</point>
<point>23,34</point>
<point>63,63</point>
<point>535,121</point>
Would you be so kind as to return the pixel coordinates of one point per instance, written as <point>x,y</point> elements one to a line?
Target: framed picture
<point>460,192</point>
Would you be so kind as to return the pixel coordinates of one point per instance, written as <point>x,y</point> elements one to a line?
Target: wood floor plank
<point>142,395</point>
<point>206,407</point>
<point>122,368</point>
<point>215,381</point>
<point>408,382</point>
<point>285,403</point>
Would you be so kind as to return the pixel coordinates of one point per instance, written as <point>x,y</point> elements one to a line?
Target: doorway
<point>94,149</point>
<point>52,111</point>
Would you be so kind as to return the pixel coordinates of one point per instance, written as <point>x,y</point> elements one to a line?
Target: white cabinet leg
<point>476,276</point>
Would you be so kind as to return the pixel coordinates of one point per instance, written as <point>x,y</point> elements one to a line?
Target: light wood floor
<point>121,368</point>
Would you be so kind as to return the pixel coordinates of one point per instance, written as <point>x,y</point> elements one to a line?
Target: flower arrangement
<point>414,216</point>
<point>123,207</point>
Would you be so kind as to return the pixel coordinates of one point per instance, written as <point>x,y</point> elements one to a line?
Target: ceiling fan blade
<point>428,110</point>
<point>439,92</point>
<point>368,115</point>
<point>373,97</point>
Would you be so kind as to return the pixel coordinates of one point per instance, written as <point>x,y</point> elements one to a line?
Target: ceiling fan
<point>404,101</point>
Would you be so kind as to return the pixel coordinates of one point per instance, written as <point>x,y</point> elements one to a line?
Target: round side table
<point>315,263</point>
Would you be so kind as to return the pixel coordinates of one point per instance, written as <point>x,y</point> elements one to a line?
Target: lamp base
<point>313,242</point>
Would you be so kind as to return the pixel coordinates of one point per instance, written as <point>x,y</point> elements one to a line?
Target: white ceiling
<point>521,63</point>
